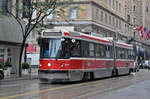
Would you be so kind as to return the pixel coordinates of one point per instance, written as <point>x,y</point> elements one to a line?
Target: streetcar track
<point>8,92</point>
<point>78,85</point>
<point>53,89</point>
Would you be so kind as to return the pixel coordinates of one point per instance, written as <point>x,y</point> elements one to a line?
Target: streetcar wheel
<point>86,76</point>
<point>114,73</point>
<point>92,76</point>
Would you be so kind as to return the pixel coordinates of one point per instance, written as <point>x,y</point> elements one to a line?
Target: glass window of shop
<point>1,55</point>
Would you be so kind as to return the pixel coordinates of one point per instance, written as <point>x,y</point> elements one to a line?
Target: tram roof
<point>124,45</point>
<point>54,33</point>
<point>72,34</point>
<point>86,36</point>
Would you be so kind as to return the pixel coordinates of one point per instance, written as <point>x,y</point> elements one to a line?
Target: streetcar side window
<point>102,51</point>
<point>130,53</point>
<point>123,53</point>
<point>65,51</point>
<point>45,48</point>
<point>76,48</point>
<point>117,52</point>
<point>120,53</point>
<point>91,49</point>
<point>97,50</point>
<point>126,54</point>
<point>122,56</point>
<point>108,51</point>
<point>85,49</point>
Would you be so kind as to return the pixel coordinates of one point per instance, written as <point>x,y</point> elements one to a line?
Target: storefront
<point>10,41</point>
<point>1,55</point>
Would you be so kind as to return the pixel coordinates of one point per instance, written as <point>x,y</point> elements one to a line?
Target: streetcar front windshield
<point>55,48</point>
<point>50,48</point>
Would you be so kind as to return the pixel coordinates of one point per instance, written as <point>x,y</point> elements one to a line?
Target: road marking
<point>53,89</point>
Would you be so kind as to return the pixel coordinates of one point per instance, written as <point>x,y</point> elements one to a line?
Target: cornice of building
<point>8,43</point>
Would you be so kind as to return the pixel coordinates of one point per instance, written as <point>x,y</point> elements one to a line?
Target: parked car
<point>147,64</point>
<point>144,64</point>
<point>1,74</point>
<point>140,64</point>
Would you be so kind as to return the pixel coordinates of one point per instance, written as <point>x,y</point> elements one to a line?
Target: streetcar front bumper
<point>54,75</point>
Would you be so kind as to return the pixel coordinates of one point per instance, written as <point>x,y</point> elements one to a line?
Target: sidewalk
<point>15,77</point>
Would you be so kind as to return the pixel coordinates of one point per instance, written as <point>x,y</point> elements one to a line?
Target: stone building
<point>105,17</point>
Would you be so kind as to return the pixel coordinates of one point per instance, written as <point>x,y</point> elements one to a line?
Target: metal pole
<point>114,51</point>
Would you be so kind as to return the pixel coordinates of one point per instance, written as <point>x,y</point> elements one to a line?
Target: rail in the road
<point>100,87</point>
<point>54,89</point>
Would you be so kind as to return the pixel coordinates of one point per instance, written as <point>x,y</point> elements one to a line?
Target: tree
<point>40,8</point>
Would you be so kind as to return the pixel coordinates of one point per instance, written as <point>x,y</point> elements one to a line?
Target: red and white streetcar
<point>75,56</point>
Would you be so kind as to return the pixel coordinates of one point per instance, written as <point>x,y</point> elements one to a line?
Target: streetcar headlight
<point>49,64</point>
<point>40,65</point>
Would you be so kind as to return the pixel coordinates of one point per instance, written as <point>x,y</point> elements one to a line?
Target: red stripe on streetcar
<point>92,38</point>
<point>66,33</point>
<point>123,45</point>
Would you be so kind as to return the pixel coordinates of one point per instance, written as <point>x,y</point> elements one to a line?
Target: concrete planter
<point>25,71</point>
<point>7,72</point>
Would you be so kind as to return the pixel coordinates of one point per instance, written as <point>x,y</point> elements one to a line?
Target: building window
<point>97,14</point>
<point>128,18</point>
<point>119,7</point>
<point>25,13</point>
<point>113,21</point>
<point>109,2</point>
<point>5,5</point>
<point>125,28</point>
<point>34,14</point>
<point>113,3</point>
<point>147,9</point>
<point>1,55</point>
<point>119,24</point>
<point>109,19</point>
<point>102,14</point>
<point>73,13</point>
<point>116,5</point>
<point>134,21</point>
<point>116,22</point>
<point>134,8</point>
<point>50,16</point>
<point>105,17</point>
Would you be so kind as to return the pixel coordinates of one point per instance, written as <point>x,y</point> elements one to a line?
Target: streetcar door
<point>108,51</point>
<point>88,55</point>
<point>114,55</point>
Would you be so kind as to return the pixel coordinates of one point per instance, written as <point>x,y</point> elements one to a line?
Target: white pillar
<point>15,59</point>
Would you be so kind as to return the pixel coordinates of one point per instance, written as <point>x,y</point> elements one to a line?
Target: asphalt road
<point>134,86</point>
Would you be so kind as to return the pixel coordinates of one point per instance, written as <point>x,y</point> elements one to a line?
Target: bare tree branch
<point>40,18</point>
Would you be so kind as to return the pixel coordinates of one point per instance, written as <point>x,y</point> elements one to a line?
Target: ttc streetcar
<point>74,56</point>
